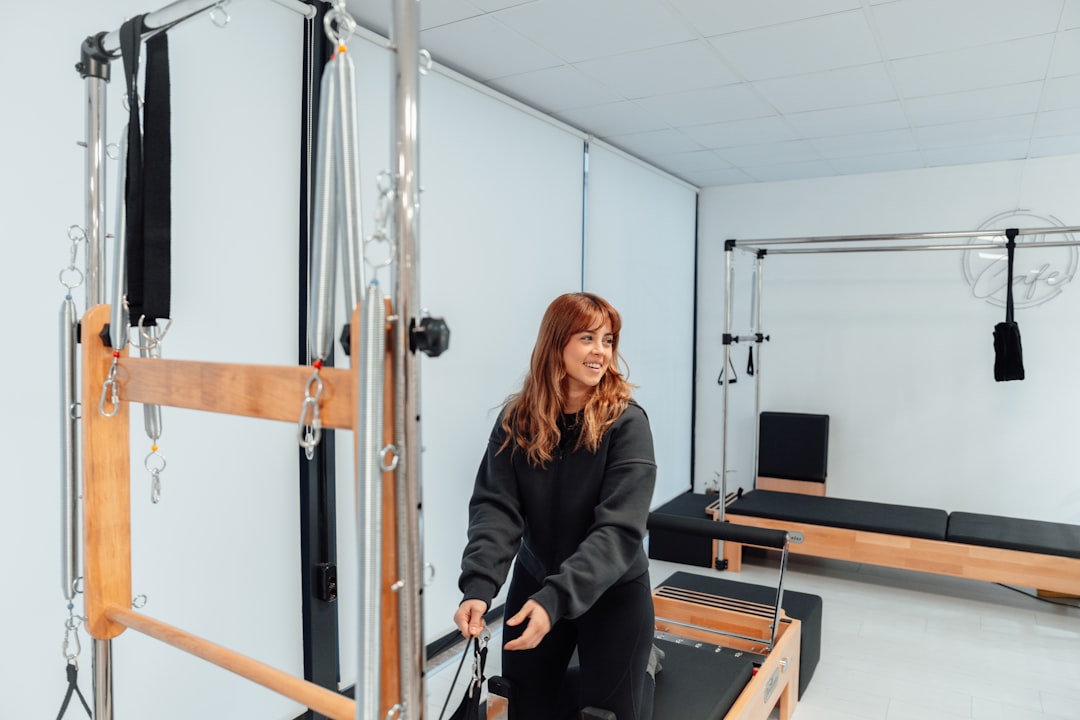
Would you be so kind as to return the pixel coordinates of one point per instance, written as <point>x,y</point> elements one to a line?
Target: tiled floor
<point>899,645</point>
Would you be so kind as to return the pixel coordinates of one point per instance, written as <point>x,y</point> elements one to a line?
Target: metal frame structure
<point>97,52</point>
<point>837,244</point>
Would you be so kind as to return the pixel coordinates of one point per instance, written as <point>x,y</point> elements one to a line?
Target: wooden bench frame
<point>976,562</point>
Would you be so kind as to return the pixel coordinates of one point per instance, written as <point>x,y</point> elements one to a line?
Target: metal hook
<point>150,340</point>
<point>309,433</point>
<point>388,466</point>
<point>110,384</point>
<point>345,25</point>
<point>425,62</point>
<point>139,601</point>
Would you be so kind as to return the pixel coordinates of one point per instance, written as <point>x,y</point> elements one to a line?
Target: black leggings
<point>613,639</point>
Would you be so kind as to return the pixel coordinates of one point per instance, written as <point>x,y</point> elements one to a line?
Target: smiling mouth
<point>593,366</point>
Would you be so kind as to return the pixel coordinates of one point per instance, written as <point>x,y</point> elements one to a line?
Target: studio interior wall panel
<point>897,347</point>
<point>219,555</point>
<point>500,237</point>
<point>640,255</point>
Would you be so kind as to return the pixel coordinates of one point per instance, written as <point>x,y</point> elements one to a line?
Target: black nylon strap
<point>149,171</point>
<point>73,688</point>
<point>1010,235</point>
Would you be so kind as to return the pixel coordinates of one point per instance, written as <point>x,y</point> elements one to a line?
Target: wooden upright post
<point>106,485</point>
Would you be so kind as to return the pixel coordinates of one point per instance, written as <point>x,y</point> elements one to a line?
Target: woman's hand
<point>469,617</point>
<point>538,627</point>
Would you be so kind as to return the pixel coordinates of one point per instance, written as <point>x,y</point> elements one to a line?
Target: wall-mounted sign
<point>1039,273</point>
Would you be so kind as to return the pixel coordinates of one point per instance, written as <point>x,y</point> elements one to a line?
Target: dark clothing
<point>613,639</point>
<point>577,527</point>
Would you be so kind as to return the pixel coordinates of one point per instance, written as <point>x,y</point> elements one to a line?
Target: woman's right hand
<point>469,617</point>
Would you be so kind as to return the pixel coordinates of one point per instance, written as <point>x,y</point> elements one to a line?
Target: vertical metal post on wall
<point>759,343</point>
<point>405,36</point>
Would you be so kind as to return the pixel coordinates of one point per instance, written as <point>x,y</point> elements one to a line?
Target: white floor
<point>899,645</point>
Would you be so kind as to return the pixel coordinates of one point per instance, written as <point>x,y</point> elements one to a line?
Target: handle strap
<point>1010,235</point>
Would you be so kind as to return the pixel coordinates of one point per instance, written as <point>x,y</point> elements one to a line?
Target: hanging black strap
<point>1010,235</point>
<point>148,191</point>
<point>73,688</point>
<point>750,362</point>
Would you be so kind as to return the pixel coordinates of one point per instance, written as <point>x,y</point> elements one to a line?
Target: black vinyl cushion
<point>1036,536</point>
<point>793,446</point>
<point>837,512</point>
<point>679,547</point>
<point>801,606</point>
<point>698,682</point>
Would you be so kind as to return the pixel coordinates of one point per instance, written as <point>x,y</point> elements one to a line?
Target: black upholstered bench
<point>1029,553</point>
<point>679,547</point>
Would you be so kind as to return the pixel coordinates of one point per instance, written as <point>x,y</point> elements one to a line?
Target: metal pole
<point>759,342</point>
<point>406,118</point>
<point>103,680</point>
<point>913,248</point>
<point>763,242</point>
<point>729,248</point>
<point>95,193</point>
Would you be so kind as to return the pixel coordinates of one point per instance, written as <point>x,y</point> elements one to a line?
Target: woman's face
<point>587,356</point>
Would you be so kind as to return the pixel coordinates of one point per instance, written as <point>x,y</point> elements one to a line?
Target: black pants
<point>613,639</point>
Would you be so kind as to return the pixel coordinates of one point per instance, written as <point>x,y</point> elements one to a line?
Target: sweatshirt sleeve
<point>614,541</point>
<point>495,524</point>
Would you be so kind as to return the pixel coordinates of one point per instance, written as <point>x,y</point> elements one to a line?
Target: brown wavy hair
<point>530,416</point>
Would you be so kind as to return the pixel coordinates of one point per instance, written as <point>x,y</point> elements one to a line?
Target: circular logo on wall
<point>1039,273</point>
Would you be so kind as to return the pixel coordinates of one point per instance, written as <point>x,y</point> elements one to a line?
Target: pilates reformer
<point>723,658</point>
<point>377,398</point>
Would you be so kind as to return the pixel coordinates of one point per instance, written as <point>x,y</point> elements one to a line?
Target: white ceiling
<point>721,92</point>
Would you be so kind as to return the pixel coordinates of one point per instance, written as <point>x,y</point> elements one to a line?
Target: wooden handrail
<point>319,699</point>
<point>273,392</point>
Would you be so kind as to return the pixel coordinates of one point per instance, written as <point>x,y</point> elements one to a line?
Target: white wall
<point>894,346</point>
<point>501,235</point>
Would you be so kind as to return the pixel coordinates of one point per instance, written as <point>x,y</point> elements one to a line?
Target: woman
<point>565,485</point>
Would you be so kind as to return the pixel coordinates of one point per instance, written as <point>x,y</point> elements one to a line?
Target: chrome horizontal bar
<point>755,244</point>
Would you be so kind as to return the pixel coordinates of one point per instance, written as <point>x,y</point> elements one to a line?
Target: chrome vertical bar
<point>729,250</point>
<point>95,190</point>
<point>103,680</point>
<point>69,456</point>
<point>405,35</point>
<point>759,344</point>
<point>371,360</point>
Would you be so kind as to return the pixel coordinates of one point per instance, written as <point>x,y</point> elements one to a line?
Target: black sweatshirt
<point>577,525</point>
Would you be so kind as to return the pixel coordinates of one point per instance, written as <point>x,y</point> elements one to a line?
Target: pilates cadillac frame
<point>267,392</point>
<point>916,242</point>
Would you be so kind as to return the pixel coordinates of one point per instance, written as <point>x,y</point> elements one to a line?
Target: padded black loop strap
<point>750,362</point>
<point>148,191</point>
<point>720,530</point>
<point>73,688</point>
<point>1010,235</point>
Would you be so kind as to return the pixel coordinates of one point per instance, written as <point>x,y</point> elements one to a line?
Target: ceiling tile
<point>483,49</point>
<point>975,104</point>
<point>1006,63</point>
<point>1059,145</point>
<point>879,143</point>
<point>1057,122</point>
<point>1066,57</point>
<point>378,16</point>
<point>1070,16</point>
<point>770,153</point>
<point>755,131</point>
<point>839,40</point>
<point>655,143</point>
<point>555,89</point>
<point>1003,130</point>
<point>732,102</point>
<point>922,27</point>
<point>612,119</point>
<point>696,161</point>
<point>790,171</point>
<point>970,154</point>
<point>1062,92</point>
<point>877,163</point>
<point>715,178</point>
<point>490,5</point>
<point>661,70</point>
<point>715,17</point>
<point>834,88</point>
<point>852,119</point>
<point>577,31</point>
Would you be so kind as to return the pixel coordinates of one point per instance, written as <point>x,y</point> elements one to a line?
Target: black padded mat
<point>837,512</point>
<point>698,683</point>
<point>1036,536</point>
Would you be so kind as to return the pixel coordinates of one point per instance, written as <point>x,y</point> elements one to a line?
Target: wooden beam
<point>106,493</point>
<point>261,391</point>
<point>319,699</point>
